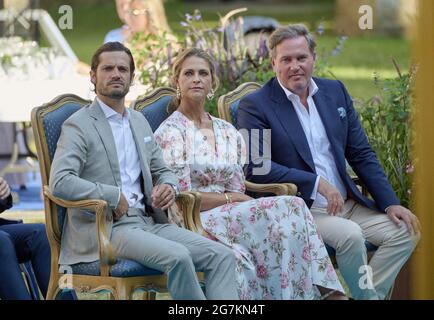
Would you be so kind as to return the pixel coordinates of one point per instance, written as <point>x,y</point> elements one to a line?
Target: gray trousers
<point>347,232</point>
<point>179,253</point>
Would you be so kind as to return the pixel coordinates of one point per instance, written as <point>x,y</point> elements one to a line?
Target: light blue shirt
<point>319,144</point>
<point>128,157</point>
<point>115,35</point>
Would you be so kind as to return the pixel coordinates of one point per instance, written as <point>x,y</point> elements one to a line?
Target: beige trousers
<point>347,232</point>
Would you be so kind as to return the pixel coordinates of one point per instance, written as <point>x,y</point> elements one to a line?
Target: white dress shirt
<point>128,158</point>
<point>319,144</point>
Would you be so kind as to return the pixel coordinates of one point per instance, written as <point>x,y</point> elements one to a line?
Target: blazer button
<point>299,194</point>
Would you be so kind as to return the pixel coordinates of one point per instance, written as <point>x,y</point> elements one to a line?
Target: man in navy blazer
<point>310,131</point>
<point>20,243</point>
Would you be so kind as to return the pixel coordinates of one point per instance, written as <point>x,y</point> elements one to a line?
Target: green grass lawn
<point>363,56</point>
<point>355,66</point>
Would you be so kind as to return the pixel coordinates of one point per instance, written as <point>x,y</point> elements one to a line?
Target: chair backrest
<point>154,106</point>
<point>47,123</point>
<point>229,102</point>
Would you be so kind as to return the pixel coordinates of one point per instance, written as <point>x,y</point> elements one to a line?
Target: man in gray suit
<point>108,152</point>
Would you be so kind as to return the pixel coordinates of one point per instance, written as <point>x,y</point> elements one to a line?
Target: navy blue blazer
<point>291,159</point>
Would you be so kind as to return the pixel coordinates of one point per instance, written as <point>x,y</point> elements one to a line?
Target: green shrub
<point>387,121</point>
<point>234,63</point>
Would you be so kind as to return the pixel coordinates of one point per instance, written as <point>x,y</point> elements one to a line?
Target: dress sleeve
<point>172,144</point>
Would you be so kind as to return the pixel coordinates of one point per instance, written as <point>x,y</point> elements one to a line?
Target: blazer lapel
<point>329,116</point>
<point>105,133</point>
<point>287,116</point>
<point>136,129</point>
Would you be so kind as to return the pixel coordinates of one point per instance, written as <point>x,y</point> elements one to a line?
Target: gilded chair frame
<point>227,99</point>
<point>120,287</point>
<point>155,95</point>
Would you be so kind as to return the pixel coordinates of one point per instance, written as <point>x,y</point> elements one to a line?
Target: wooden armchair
<point>227,109</point>
<point>121,277</point>
<point>155,107</point>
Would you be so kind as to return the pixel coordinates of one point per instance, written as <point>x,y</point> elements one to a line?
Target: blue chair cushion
<point>52,124</point>
<point>234,112</point>
<point>156,112</point>
<point>123,269</point>
<point>369,248</point>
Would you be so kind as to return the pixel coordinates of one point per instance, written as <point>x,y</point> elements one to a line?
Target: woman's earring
<point>178,93</point>
<point>210,95</point>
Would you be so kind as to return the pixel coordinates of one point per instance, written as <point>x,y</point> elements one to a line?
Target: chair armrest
<point>279,189</point>
<point>106,253</point>
<point>292,189</point>
<point>185,201</point>
<point>190,202</point>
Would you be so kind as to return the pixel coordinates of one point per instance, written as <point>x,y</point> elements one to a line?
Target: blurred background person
<point>118,34</point>
<point>146,16</point>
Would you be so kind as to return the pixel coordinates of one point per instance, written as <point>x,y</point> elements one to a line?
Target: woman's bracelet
<point>228,197</point>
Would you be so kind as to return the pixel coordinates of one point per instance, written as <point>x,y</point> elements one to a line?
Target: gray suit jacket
<point>86,166</point>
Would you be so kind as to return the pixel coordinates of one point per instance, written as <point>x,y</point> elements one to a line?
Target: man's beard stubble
<point>115,94</point>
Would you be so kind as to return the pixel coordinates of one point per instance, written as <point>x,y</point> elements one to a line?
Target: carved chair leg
<point>146,295</point>
<point>52,288</point>
<point>149,295</point>
<point>152,295</point>
<point>124,292</point>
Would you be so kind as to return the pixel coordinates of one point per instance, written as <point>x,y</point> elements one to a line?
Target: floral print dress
<point>279,252</point>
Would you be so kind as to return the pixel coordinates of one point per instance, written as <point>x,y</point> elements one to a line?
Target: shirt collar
<point>313,88</point>
<point>109,112</point>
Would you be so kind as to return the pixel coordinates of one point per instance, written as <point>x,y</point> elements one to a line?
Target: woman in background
<point>146,16</point>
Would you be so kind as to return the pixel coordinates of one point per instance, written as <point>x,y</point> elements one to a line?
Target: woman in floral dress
<point>279,252</point>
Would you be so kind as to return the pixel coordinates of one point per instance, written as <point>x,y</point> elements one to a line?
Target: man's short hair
<point>290,32</point>
<point>111,47</point>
